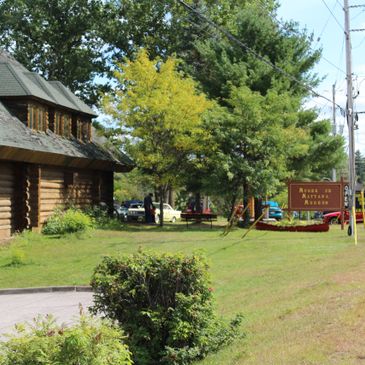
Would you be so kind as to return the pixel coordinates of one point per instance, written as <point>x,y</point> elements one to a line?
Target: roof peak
<point>16,80</point>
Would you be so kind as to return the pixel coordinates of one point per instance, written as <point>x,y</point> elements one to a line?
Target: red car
<point>335,217</point>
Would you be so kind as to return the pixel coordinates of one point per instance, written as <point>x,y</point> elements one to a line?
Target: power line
<point>333,15</point>
<point>318,39</point>
<point>232,38</point>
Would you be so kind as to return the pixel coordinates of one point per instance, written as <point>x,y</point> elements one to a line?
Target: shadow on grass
<point>167,227</point>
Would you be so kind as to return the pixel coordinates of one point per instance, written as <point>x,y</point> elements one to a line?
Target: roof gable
<point>16,80</point>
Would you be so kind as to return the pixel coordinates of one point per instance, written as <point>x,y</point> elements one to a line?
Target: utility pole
<point>334,127</point>
<point>350,116</point>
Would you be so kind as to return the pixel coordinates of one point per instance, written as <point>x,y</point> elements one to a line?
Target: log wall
<point>30,193</point>
<point>52,191</point>
<point>6,199</point>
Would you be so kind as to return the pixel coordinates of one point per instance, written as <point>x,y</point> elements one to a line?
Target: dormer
<point>43,105</point>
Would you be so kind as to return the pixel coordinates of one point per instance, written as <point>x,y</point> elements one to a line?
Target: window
<point>62,124</point>
<point>83,130</point>
<point>79,129</point>
<point>37,117</point>
<point>67,125</point>
<point>58,123</point>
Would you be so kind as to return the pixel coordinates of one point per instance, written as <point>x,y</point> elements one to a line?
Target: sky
<point>325,19</point>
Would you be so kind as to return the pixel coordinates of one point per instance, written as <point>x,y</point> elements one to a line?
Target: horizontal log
<point>6,208</point>
<point>5,223</point>
<point>52,181</point>
<point>6,169</point>
<point>83,201</point>
<point>51,203</point>
<point>56,194</point>
<point>51,185</point>
<point>5,215</point>
<point>6,178</point>
<point>52,173</point>
<point>6,183</point>
<point>5,201</point>
<point>6,190</point>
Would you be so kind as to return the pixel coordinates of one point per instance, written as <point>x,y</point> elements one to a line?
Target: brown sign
<point>318,196</point>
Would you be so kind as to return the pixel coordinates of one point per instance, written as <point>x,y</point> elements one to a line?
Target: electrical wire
<point>333,15</point>
<point>318,39</point>
<point>234,39</point>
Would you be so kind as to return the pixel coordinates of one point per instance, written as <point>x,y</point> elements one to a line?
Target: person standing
<point>148,207</point>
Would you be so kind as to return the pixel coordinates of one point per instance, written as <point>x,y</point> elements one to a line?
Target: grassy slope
<point>302,295</point>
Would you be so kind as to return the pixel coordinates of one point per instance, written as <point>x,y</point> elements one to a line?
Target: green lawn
<point>302,295</point>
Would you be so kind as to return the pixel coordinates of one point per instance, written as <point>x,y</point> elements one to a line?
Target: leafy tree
<point>60,39</point>
<point>256,135</point>
<point>360,166</point>
<point>132,185</point>
<point>161,114</point>
<point>325,151</point>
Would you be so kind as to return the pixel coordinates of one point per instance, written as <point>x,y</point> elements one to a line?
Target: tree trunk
<point>246,217</point>
<point>258,208</point>
<point>233,203</point>
<point>198,207</point>
<point>162,195</point>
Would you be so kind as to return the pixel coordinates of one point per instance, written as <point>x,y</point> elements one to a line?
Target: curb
<point>48,289</point>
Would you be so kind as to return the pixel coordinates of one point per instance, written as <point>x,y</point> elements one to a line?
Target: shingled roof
<point>17,141</point>
<point>18,81</point>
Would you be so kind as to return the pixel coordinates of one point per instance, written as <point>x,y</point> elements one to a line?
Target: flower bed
<point>321,227</point>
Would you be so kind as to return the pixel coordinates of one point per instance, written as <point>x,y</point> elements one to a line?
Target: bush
<point>164,303</point>
<point>90,342</point>
<point>69,221</point>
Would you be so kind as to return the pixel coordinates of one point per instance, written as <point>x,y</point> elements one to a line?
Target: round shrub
<point>68,221</point>
<point>164,303</point>
<point>90,342</point>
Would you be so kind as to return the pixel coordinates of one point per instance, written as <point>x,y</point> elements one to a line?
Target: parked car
<point>135,213</point>
<point>121,211</point>
<point>274,209</point>
<point>275,212</point>
<point>169,213</point>
<point>335,217</point>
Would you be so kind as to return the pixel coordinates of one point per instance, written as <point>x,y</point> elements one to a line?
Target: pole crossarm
<point>357,30</point>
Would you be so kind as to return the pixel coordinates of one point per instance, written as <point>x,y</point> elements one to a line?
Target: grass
<point>302,294</point>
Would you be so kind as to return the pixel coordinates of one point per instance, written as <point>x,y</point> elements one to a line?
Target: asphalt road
<point>18,308</point>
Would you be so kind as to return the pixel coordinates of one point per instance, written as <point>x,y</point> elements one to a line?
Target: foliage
<point>132,185</point>
<point>262,133</point>
<point>164,303</point>
<point>69,221</point>
<point>325,151</point>
<point>161,112</point>
<point>360,167</point>
<point>90,342</point>
<point>61,40</point>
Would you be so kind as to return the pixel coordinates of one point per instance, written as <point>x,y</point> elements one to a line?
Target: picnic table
<point>199,217</point>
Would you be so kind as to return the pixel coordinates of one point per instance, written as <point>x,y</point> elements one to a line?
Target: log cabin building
<point>49,156</point>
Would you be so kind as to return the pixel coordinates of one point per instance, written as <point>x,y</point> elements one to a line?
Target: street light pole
<point>350,116</point>
<point>334,127</point>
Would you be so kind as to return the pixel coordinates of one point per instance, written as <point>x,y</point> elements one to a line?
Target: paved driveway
<point>15,308</point>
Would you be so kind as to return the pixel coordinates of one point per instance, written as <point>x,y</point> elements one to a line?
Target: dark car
<point>275,212</point>
<point>274,209</point>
